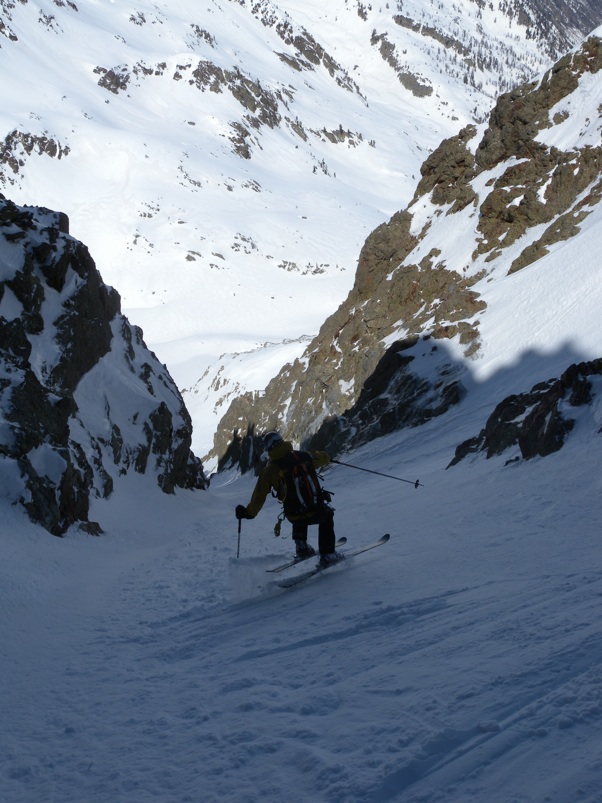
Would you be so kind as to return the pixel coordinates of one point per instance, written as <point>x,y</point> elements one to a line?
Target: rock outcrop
<point>83,401</point>
<point>536,421</point>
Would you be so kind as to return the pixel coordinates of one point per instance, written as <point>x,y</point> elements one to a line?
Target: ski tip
<point>385,538</point>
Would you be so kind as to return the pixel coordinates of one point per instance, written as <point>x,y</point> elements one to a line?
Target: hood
<point>280,450</point>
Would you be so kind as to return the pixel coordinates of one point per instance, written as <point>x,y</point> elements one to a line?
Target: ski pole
<point>238,547</point>
<point>380,474</point>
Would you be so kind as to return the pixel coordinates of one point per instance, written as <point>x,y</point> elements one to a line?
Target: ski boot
<point>304,550</point>
<point>329,558</point>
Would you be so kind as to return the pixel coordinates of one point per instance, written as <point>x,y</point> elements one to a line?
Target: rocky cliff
<point>492,199</point>
<point>82,399</point>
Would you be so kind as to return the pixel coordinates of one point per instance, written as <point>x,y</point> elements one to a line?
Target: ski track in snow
<point>459,662</point>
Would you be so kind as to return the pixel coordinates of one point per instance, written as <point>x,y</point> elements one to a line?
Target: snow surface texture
<point>228,264</point>
<point>460,662</point>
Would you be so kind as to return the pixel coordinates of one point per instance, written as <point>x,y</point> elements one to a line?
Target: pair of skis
<point>346,553</point>
<point>297,560</point>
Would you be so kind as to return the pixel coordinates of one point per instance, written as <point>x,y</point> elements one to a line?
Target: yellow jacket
<point>272,477</point>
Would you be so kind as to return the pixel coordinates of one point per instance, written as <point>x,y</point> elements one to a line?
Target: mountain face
<point>555,22</point>
<point>82,399</point>
<point>238,146</point>
<point>492,201</point>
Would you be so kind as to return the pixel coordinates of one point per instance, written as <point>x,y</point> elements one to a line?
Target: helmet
<point>272,439</point>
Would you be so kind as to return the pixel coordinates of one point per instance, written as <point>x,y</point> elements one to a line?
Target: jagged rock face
<point>82,399</point>
<point>546,185</point>
<point>535,421</point>
<point>356,379</point>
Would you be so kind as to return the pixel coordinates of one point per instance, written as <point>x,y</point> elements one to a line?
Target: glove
<point>241,512</point>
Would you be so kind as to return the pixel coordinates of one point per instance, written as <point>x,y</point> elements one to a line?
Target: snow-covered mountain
<point>225,163</point>
<point>499,207</point>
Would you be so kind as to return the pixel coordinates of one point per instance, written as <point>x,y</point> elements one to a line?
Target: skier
<point>291,475</point>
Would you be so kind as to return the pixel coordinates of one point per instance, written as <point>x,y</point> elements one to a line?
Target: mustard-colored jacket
<point>272,477</point>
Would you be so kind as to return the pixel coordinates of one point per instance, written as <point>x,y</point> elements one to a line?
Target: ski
<point>349,553</point>
<point>296,560</point>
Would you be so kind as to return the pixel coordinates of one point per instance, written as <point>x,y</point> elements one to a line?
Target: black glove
<point>242,513</point>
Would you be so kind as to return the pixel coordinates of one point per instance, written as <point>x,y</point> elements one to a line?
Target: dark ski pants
<point>324,518</point>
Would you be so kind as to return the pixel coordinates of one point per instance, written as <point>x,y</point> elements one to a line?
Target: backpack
<point>303,491</point>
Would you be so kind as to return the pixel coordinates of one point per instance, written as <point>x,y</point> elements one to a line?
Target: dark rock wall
<point>82,398</point>
<point>537,421</point>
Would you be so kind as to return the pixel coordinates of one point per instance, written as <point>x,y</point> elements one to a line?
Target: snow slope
<point>460,662</point>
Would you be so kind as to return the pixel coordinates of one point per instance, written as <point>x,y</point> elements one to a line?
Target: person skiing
<point>291,475</point>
